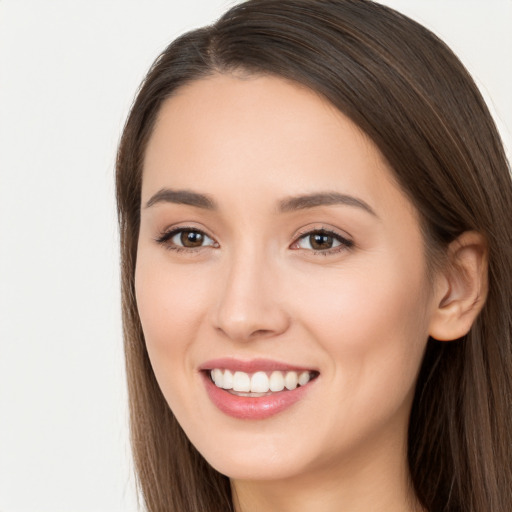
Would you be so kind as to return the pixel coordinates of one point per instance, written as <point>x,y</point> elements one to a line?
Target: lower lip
<point>253,408</point>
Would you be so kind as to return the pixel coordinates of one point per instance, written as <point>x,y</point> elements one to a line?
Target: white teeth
<point>228,380</point>
<point>259,382</point>
<point>276,381</point>
<point>303,378</point>
<point>291,380</point>
<point>218,377</point>
<point>241,382</point>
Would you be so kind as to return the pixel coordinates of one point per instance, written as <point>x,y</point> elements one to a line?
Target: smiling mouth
<point>260,383</point>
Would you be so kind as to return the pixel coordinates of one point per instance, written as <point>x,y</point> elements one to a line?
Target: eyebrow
<point>302,202</point>
<point>166,195</point>
<point>323,199</point>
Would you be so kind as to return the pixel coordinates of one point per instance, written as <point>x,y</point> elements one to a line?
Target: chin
<point>238,467</point>
<point>267,456</point>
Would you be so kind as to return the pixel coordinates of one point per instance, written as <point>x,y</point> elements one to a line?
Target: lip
<point>252,366</point>
<point>252,408</point>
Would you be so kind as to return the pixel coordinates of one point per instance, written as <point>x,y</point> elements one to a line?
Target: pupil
<point>191,239</point>
<point>320,241</point>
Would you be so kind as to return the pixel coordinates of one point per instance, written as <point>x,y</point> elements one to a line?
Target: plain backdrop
<point>68,73</point>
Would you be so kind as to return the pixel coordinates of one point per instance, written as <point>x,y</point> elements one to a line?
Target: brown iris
<point>321,241</point>
<point>190,238</point>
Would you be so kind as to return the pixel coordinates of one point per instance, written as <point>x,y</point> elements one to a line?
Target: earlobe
<point>463,291</point>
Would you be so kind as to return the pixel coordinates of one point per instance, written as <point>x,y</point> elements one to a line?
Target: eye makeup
<point>192,239</point>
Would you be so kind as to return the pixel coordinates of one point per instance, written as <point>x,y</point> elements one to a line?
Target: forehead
<point>226,133</point>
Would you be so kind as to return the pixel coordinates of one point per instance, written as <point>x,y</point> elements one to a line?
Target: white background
<point>68,73</point>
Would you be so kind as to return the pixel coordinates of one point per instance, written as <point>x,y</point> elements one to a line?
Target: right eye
<point>183,239</point>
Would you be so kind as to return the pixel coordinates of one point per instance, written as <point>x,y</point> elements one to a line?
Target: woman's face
<point>276,250</point>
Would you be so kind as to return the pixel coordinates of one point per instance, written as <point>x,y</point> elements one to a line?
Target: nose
<point>249,304</point>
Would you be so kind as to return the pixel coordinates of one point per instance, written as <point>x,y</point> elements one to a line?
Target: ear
<point>461,288</point>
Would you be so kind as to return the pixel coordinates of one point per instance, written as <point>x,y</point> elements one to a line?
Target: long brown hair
<point>416,101</point>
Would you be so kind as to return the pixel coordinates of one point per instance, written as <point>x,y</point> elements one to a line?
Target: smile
<point>259,383</point>
<point>257,389</point>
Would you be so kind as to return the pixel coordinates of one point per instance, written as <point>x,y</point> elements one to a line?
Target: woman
<point>316,269</point>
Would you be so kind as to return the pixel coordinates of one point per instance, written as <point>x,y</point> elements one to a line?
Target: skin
<point>361,316</point>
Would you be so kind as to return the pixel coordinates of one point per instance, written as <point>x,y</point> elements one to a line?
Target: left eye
<point>321,241</point>
<point>190,239</point>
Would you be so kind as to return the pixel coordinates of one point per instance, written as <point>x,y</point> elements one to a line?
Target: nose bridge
<point>248,304</point>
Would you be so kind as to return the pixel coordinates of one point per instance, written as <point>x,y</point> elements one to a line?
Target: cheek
<point>373,327</point>
<point>166,302</point>
<point>170,305</point>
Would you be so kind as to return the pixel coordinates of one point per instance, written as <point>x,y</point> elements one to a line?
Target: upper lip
<point>252,365</point>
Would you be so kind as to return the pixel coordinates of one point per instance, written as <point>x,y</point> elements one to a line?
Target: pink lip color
<point>252,366</point>
<point>251,408</point>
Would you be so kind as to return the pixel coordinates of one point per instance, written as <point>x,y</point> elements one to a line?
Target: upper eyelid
<point>166,235</point>
<point>322,229</point>
<point>170,232</point>
<point>345,241</point>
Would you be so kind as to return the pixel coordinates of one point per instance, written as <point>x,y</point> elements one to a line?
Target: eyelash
<point>165,239</point>
<point>344,244</point>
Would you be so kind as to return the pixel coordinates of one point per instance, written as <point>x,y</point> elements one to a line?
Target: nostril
<point>261,333</point>
<point>240,332</point>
